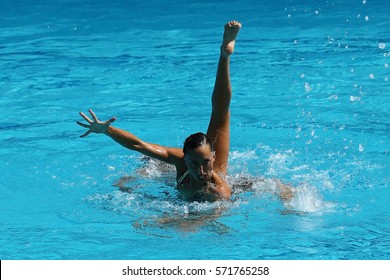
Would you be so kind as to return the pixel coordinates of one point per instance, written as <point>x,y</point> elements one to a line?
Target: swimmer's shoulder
<point>222,187</point>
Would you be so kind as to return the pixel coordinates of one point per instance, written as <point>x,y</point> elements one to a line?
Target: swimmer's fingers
<point>94,126</point>
<point>85,117</point>
<point>93,115</point>
<point>82,124</point>
<point>110,121</point>
<point>85,134</point>
<point>85,125</point>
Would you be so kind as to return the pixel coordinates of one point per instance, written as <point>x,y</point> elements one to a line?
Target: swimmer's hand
<point>94,126</point>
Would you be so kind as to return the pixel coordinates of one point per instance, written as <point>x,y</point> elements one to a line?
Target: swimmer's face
<point>200,162</point>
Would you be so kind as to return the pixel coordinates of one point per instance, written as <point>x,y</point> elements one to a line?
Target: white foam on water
<point>308,199</point>
<point>140,204</point>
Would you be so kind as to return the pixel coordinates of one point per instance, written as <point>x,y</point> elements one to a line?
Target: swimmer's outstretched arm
<point>130,141</point>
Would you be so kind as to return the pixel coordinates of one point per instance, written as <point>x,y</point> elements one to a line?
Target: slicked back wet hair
<point>197,140</point>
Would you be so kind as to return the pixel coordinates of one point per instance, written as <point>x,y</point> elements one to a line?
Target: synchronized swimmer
<point>201,165</point>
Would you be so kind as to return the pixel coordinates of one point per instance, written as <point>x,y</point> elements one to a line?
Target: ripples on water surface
<point>310,107</point>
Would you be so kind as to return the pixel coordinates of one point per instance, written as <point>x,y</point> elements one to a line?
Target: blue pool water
<point>310,107</point>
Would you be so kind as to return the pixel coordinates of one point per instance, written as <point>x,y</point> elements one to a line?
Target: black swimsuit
<point>181,179</point>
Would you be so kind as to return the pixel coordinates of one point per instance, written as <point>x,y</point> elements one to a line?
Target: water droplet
<point>372,76</point>
<point>354,98</point>
<point>366,18</point>
<point>308,87</point>
<point>361,148</point>
<point>364,2</point>
<point>382,46</point>
<point>302,75</point>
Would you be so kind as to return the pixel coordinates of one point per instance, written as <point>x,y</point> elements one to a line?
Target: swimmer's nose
<point>201,171</point>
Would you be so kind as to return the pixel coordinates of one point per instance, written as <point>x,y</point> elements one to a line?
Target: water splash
<point>307,199</point>
<point>150,193</point>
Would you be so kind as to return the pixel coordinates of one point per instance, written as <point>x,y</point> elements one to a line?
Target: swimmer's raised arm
<point>130,141</point>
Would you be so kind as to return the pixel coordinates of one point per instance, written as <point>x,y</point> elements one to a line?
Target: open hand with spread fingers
<point>94,126</point>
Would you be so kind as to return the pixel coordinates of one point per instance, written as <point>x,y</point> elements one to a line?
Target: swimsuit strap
<point>181,179</point>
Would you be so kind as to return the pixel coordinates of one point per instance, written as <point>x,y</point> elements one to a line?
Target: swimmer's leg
<point>219,126</point>
<point>121,184</point>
